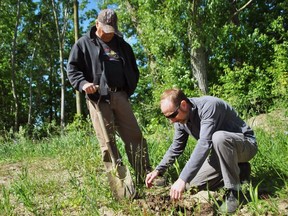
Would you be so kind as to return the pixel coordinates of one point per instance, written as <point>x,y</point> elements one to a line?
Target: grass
<point>63,175</point>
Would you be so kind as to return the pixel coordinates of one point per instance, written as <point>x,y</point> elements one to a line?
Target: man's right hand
<point>90,88</point>
<point>150,177</point>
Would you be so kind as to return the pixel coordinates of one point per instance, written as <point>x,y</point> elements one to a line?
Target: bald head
<point>174,105</point>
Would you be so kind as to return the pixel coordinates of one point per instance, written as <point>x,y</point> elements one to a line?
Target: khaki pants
<point>118,117</point>
<point>221,166</point>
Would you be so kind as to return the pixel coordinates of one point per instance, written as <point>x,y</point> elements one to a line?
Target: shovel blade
<point>121,182</point>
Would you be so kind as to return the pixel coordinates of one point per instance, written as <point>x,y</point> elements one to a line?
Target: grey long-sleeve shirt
<point>207,115</point>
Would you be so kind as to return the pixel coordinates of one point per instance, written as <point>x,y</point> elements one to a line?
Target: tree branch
<point>242,8</point>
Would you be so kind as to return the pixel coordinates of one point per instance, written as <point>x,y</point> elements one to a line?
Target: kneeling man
<point>225,144</point>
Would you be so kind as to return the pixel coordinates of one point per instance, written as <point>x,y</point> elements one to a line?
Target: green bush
<point>247,89</point>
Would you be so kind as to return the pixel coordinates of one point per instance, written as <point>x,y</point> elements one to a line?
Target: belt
<point>115,89</point>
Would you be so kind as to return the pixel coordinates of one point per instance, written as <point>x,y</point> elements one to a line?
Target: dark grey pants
<point>221,166</point>
<point>119,117</point>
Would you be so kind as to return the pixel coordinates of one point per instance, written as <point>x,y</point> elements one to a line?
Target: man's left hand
<point>177,189</point>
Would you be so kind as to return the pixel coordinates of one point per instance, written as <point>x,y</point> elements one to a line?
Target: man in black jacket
<point>103,65</point>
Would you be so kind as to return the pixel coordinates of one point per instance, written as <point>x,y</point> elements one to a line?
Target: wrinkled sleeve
<point>76,68</point>
<point>203,146</point>
<point>175,150</point>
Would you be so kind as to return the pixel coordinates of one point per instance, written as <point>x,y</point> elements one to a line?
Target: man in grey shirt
<point>224,142</point>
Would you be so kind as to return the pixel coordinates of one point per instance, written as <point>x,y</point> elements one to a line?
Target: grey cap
<point>108,20</point>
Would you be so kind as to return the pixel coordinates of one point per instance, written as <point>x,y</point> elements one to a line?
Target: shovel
<point>119,177</point>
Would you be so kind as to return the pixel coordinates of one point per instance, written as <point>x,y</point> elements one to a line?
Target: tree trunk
<point>199,68</point>
<point>76,30</point>
<point>13,63</point>
<point>31,75</point>
<point>51,102</point>
<point>30,89</point>
<point>62,87</point>
<point>60,37</point>
<point>198,56</point>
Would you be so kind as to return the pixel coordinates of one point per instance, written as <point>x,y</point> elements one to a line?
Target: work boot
<point>245,172</point>
<point>230,203</point>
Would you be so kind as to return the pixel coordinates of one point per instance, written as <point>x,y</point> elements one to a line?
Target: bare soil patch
<point>157,202</point>
<point>45,169</point>
<point>8,173</point>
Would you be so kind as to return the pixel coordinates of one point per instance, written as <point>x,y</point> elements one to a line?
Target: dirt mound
<point>160,204</point>
<point>270,122</point>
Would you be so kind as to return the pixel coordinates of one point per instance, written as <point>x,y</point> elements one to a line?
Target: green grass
<point>63,174</point>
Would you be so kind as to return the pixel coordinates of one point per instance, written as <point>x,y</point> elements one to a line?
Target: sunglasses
<point>174,114</point>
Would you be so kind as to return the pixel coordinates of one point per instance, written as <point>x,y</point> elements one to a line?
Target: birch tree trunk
<point>60,37</point>
<point>13,64</point>
<point>76,31</point>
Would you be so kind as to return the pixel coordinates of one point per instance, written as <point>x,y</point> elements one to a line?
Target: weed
<point>64,175</point>
<point>5,203</point>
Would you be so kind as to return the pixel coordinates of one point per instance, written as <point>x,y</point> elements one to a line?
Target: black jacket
<point>85,65</point>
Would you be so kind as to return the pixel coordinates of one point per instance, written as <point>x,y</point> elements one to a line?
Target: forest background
<point>236,50</point>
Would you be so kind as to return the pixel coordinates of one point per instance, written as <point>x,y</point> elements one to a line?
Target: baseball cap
<point>108,20</point>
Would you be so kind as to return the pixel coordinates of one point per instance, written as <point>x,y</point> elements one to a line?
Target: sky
<point>91,5</point>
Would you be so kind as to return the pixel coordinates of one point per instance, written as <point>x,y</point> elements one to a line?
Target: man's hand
<point>150,177</point>
<point>177,189</point>
<point>90,88</point>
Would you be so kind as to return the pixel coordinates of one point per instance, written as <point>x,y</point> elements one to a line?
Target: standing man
<point>103,65</point>
<point>224,146</point>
